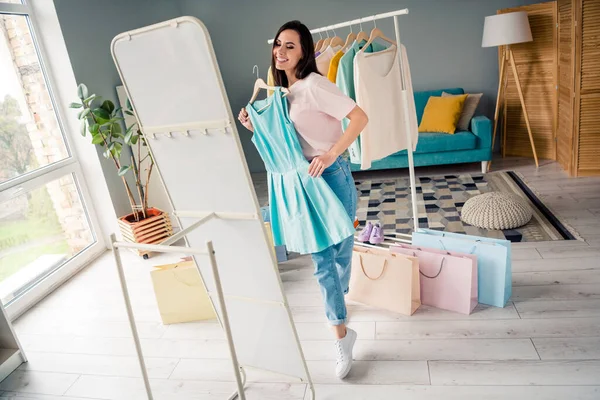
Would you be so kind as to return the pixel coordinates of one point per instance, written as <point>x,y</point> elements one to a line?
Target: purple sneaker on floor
<point>376,235</point>
<point>365,234</point>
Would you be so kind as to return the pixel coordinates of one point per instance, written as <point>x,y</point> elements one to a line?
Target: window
<point>47,225</point>
<point>30,135</point>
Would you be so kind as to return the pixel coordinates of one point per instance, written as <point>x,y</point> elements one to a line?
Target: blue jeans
<point>333,265</point>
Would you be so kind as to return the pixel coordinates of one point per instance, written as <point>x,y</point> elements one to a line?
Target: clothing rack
<point>411,165</point>
<point>357,21</point>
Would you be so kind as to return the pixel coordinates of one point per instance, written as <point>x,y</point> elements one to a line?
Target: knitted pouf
<point>496,210</point>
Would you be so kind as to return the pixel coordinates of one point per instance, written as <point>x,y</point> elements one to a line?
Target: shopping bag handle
<point>471,252</point>
<point>365,272</point>
<point>436,275</point>
<point>177,278</point>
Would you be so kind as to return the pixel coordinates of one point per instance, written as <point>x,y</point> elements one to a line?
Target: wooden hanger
<point>261,84</point>
<point>336,41</point>
<point>319,45</point>
<point>349,40</point>
<point>377,33</point>
<point>319,42</point>
<point>362,35</point>
<point>325,44</point>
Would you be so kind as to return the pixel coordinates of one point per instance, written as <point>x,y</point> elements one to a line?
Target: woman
<point>316,107</point>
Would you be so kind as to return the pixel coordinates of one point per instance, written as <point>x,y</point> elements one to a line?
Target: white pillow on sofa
<point>468,109</point>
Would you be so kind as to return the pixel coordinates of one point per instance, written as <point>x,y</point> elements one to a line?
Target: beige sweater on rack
<point>378,86</point>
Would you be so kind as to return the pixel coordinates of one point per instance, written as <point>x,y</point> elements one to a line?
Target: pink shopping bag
<point>448,279</point>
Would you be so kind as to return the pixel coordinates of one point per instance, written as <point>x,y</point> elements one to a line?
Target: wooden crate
<point>152,230</point>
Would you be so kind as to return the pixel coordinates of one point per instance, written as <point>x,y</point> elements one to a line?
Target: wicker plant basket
<point>152,230</point>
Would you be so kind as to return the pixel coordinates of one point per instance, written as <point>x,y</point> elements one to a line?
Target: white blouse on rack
<point>324,59</point>
<point>378,86</point>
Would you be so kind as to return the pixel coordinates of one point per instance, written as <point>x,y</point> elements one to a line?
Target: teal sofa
<point>474,145</point>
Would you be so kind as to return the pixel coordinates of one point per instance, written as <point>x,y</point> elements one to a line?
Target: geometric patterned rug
<point>439,204</point>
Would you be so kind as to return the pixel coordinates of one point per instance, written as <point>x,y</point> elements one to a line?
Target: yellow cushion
<point>442,114</point>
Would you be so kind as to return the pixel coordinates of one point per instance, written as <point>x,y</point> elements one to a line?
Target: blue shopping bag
<point>494,266</point>
<point>264,212</point>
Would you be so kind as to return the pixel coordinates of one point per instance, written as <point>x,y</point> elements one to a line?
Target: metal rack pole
<point>357,21</point>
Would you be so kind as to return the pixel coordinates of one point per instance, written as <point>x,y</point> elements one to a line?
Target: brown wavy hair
<point>307,63</point>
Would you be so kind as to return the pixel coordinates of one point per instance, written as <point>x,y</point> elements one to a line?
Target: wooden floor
<point>544,345</point>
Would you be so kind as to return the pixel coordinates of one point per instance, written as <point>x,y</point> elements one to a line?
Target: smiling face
<point>287,50</point>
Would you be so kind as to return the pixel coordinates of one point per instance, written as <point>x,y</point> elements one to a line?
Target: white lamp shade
<point>503,29</point>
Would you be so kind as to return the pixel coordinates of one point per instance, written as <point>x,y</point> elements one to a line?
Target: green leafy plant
<point>101,120</point>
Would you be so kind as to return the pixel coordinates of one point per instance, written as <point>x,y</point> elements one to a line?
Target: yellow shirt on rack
<point>333,66</point>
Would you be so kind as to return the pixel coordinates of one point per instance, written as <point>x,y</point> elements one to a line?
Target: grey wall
<point>442,39</point>
<point>88,27</point>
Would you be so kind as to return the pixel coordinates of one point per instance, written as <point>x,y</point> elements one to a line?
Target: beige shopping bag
<point>385,280</point>
<point>180,294</point>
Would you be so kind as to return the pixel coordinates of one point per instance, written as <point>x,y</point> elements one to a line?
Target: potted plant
<point>101,120</point>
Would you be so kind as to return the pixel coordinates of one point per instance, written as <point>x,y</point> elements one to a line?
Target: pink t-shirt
<point>317,108</point>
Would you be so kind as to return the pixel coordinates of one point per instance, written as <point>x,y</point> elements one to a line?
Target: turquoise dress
<point>306,215</point>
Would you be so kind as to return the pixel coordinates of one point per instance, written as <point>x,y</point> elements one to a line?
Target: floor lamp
<point>504,30</point>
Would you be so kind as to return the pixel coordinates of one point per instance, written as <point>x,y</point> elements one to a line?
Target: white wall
<point>88,27</point>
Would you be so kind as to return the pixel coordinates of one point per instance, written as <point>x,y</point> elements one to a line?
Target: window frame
<point>79,167</point>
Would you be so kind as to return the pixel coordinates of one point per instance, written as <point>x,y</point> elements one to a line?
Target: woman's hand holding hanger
<point>243,118</point>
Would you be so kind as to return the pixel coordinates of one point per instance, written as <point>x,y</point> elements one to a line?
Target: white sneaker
<point>344,348</point>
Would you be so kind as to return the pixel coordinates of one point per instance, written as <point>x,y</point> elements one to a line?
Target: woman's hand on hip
<point>320,163</point>
<point>243,118</point>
